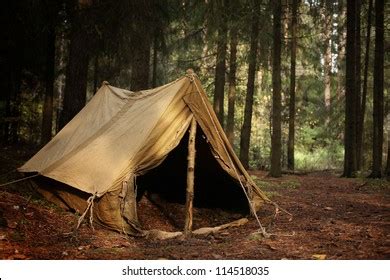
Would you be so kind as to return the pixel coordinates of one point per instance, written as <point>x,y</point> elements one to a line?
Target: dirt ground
<point>333,218</point>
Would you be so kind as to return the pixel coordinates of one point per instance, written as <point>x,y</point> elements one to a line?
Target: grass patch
<point>271,194</point>
<point>268,185</point>
<point>255,236</point>
<point>271,189</point>
<point>264,185</point>
<point>374,184</point>
<point>290,184</point>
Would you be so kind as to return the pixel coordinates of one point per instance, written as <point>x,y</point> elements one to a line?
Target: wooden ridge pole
<point>190,179</point>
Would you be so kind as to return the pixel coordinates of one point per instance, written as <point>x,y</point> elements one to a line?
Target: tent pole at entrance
<point>190,178</point>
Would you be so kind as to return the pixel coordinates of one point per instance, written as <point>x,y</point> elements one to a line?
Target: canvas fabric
<point>120,135</point>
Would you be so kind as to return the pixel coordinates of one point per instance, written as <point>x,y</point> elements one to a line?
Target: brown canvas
<point>121,135</point>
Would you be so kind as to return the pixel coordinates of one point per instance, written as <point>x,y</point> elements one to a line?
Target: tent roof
<point>121,133</point>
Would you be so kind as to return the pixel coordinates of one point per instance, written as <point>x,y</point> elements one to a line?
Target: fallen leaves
<point>331,221</point>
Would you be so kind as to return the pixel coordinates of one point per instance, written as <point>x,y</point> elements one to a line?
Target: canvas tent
<point>123,143</point>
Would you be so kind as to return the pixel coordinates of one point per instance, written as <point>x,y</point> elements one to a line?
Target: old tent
<point>124,143</point>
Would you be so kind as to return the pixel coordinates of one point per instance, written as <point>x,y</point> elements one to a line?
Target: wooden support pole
<point>190,179</point>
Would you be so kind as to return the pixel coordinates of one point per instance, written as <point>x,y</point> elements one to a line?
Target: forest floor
<point>333,218</point>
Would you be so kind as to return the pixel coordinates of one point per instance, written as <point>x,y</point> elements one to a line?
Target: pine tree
<point>250,87</point>
<point>276,149</point>
<point>378,113</point>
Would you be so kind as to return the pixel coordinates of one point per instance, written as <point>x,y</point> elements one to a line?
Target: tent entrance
<point>214,188</point>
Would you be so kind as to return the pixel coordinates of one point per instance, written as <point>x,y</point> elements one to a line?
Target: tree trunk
<point>350,165</point>
<point>141,57</point>
<point>96,74</point>
<point>47,115</point>
<point>358,93</point>
<point>190,178</point>
<point>340,91</point>
<point>142,39</point>
<point>250,88</point>
<point>12,102</point>
<point>232,85</point>
<point>220,68</point>
<point>276,93</point>
<point>387,170</point>
<point>77,67</point>
<point>327,16</point>
<point>154,69</point>
<point>365,80</point>
<point>291,107</point>
<point>11,62</point>
<point>60,82</point>
<point>377,145</point>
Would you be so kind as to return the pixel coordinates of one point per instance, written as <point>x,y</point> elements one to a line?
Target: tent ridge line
<point>140,94</point>
<point>111,88</point>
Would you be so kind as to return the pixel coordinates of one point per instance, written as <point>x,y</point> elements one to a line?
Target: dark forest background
<point>297,85</point>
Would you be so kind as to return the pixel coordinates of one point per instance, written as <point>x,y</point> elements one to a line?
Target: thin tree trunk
<point>154,70</point>
<point>60,82</point>
<point>220,68</point>
<point>291,107</point>
<point>342,35</point>
<point>12,86</point>
<point>232,85</point>
<point>365,80</point>
<point>96,74</point>
<point>142,37</point>
<point>250,88</point>
<point>190,178</point>
<point>15,106</point>
<point>350,165</point>
<point>387,171</point>
<point>276,93</point>
<point>377,145</point>
<point>47,116</point>
<point>141,58</point>
<point>358,92</point>
<point>11,58</point>
<point>327,15</point>
<point>77,67</point>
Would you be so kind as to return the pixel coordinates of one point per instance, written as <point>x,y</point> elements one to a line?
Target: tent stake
<point>190,178</point>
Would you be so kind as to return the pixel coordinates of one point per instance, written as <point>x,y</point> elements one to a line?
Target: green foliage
<point>185,34</point>
<point>30,109</point>
<point>321,158</point>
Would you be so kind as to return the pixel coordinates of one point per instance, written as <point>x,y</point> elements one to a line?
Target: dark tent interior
<point>214,188</point>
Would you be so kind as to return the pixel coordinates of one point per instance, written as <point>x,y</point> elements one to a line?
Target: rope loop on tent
<point>91,214</point>
<point>262,229</point>
<point>89,207</point>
